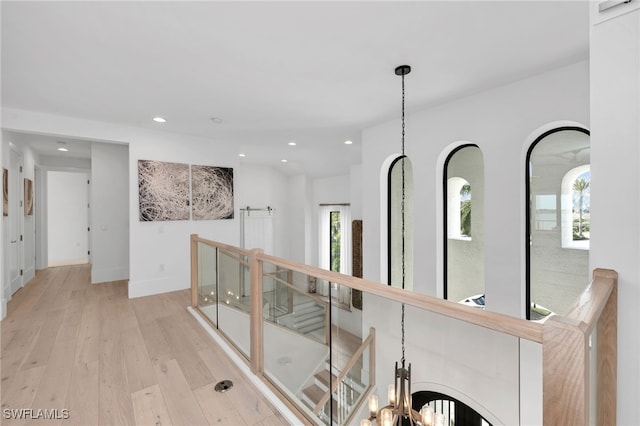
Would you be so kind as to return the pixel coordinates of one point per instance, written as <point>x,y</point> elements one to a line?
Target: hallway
<point>91,356</point>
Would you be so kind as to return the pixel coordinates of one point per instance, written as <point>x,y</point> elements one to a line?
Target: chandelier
<point>399,409</point>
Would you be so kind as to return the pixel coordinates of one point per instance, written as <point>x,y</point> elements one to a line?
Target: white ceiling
<point>313,72</point>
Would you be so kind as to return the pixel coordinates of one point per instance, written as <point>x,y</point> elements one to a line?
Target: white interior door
<point>16,218</point>
<point>68,218</point>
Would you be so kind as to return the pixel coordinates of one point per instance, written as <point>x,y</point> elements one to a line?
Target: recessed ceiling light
<point>242,155</point>
<point>159,120</point>
<point>292,143</point>
<point>216,120</point>
<point>348,142</point>
<point>63,149</point>
<point>283,160</point>
<point>62,146</point>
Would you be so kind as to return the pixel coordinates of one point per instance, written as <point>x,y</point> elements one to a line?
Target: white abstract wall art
<point>212,192</point>
<point>163,190</point>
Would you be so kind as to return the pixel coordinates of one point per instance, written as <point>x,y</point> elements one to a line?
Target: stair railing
<point>566,352</point>
<point>369,343</point>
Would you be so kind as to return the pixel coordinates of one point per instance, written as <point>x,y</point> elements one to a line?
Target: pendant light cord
<point>402,209</point>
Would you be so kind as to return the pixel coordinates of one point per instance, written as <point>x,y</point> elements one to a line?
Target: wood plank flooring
<point>89,353</point>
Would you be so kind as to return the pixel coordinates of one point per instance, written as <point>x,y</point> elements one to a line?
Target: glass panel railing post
<point>204,272</point>
<point>194,271</point>
<point>256,313</point>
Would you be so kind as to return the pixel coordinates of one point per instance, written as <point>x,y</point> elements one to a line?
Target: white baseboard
<point>3,308</point>
<point>157,286</point>
<point>291,418</point>
<point>29,274</point>
<point>105,275</point>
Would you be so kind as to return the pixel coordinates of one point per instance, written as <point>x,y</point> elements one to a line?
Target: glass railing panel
<point>234,299</point>
<point>349,357</point>
<point>207,281</point>
<point>446,353</point>
<point>291,300</point>
<point>295,352</point>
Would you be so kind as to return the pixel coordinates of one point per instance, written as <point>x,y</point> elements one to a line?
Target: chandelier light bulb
<point>373,405</point>
<point>427,415</point>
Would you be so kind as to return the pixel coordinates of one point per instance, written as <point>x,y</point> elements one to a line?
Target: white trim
<point>264,390</point>
<point>154,286</point>
<point>3,308</point>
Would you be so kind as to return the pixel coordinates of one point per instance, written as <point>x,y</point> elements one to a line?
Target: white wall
<point>260,187</point>
<point>300,222</point>
<point>355,177</point>
<point>109,212</point>
<point>500,122</point>
<point>29,255</point>
<point>4,258</point>
<point>28,229</point>
<point>615,155</point>
<point>68,218</point>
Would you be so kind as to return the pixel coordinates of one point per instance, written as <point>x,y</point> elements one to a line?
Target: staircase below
<point>349,391</point>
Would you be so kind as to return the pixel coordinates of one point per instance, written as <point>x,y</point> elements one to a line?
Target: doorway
<point>67,218</point>
<point>16,222</point>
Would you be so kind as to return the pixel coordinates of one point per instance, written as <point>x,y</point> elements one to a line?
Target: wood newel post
<point>565,383</point>
<point>607,354</point>
<point>256,327</point>
<point>194,270</point>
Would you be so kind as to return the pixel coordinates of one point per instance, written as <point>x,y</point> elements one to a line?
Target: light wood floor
<point>70,345</point>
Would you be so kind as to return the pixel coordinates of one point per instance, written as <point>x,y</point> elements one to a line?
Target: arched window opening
<point>558,220</point>
<point>576,208</point>
<point>400,174</point>
<point>464,225</point>
<point>458,208</point>
<point>453,411</point>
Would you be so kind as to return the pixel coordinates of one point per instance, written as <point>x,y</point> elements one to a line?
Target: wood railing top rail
<point>223,246</point>
<point>492,320</point>
<point>588,308</point>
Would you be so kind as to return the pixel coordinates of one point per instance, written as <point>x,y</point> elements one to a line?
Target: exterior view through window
<point>334,239</point>
<point>464,224</point>
<point>558,220</point>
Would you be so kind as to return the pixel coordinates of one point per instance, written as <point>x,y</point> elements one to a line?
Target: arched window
<point>558,225</point>
<point>458,208</point>
<point>400,174</point>
<point>464,225</point>
<point>453,411</point>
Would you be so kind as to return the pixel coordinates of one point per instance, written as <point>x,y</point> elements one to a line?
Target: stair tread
<point>308,321</point>
<point>297,310</point>
<point>323,377</point>
<point>314,393</point>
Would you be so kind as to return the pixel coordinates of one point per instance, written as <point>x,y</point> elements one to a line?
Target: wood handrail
<point>220,245</point>
<point>492,320</point>
<point>588,308</point>
<point>370,338</point>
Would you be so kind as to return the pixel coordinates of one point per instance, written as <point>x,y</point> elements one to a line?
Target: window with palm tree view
<point>558,225</point>
<point>464,224</point>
